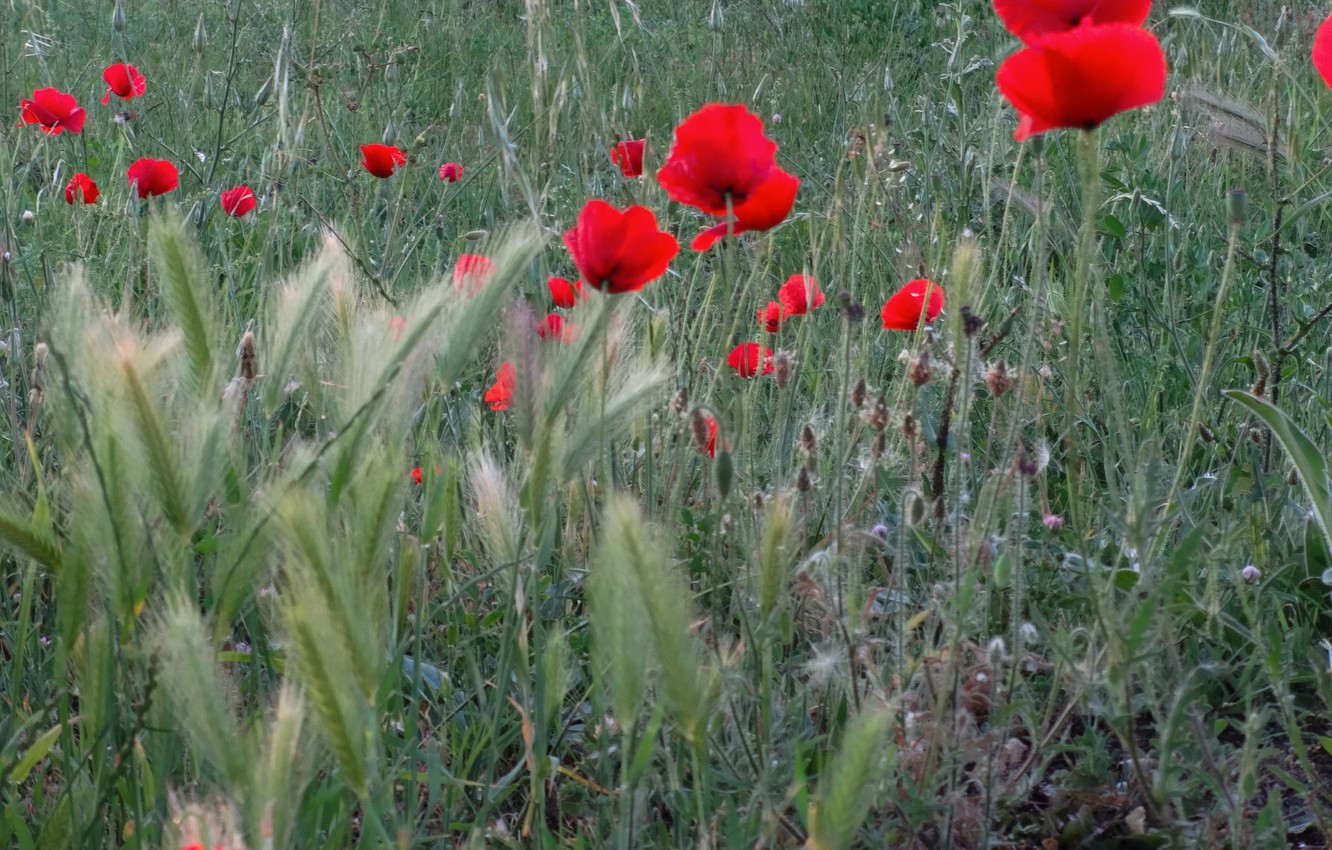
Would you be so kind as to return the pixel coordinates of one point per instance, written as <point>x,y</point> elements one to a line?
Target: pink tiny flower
<point>450,172</point>
<point>1054,522</point>
<point>1251,574</point>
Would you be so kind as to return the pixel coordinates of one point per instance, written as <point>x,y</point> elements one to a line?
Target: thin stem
<point>1074,395</point>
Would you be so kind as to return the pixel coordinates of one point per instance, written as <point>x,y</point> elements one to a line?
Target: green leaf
<point>1310,463</point>
<point>35,753</point>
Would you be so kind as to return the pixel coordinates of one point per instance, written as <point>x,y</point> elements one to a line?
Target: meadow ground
<point>290,560</point>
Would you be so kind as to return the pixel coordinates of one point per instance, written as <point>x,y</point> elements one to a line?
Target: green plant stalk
<point>1209,354</point>
<point>1089,166</point>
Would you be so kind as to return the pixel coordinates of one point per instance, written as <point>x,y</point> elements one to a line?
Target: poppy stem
<point>1074,396</point>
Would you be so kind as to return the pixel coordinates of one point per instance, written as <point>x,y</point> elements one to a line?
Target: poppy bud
<point>475,235</point>
<point>200,36</point>
<point>261,96</point>
<point>725,470</point>
<point>118,17</point>
<point>1237,206</point>
<point>390,134</point>
<point>210,98</point>
<point>913,507</point>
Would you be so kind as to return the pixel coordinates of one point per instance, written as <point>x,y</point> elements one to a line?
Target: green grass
<point>231,617</point>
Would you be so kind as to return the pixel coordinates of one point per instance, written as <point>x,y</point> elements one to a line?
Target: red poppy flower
<point>125,82</point>
<point>381,160</point>
<point>52,110</point>
<point>748,359</point>
<point>903,311</point>
<point>81,186</point>
<point>1079,78</point>
<point>766,208</point>
<point>501,392</point>
<point>629,156</point>
<point>554,327</point>
<point>800,294</point>
<point>238,202</point>
<point>471,272</point>
<point>770,317</point>
<point>710,448</point>
<point>417,476</point>
<point>1322,51</point>
<point>619,251</point>
<point>564,293</point>
<point>1028,19</point>
<point>450,171</point>
<point>153,177</point>
<point>720,152</point>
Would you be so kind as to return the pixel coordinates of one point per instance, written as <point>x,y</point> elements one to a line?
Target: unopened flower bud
<point>200,42</point>
<point>118,16</point>
<point>1237,207</point>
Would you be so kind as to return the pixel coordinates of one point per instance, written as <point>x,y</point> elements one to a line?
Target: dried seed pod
<point>921,370</point>
<point>878,418</point>
<point>781,367</point>
<point>248,359</point>
<point>859,394</point>
<point>997,379</point>
<point>910,427</point>
<point>804,480</point>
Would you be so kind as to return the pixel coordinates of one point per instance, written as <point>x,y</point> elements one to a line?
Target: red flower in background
<point>720,152</point>
<point>125,82</point>
<point>749,359</point>
<point>1079,78</point>
<point>1028,19</point>
<point>450,171</point>
<point>381,160</point>
<point>1322,51</point>
<point>417,476</point>
<point>800,294</point>
<point>564,293</point>
<point>619,251</point>
<point>903,311</point>
<point>501,392</point>
<point>471,272</point>
<point>153,177</point>
<point>629,156</point>
<point>554,327</point>
<point>710,447</point>
<point>238,202</point>
<point>765,208</point>
<point>770,317</point>
<point>52,110</point>
<point>81,187</point>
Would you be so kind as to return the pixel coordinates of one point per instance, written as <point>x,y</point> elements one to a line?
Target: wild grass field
<point>317,531</point>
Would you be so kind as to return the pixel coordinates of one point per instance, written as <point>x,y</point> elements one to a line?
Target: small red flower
<point>417,476</point>
<point>1028,19</point>
<point>238,202</point>
<point>125,82</point>
<point>619,251</point>
<point>800,294</point>
<point>720,153</point>
<point>554,327</point>
<point>750,359</point>
<point>710,448</point>
<point>770,317</point>
<point>450,171</point>
<point>82,187</point>
<point>471,272</point>
<point>153,177</point>
<point>1079,78</point>
<point>629,156</point>
<point>52,110</point>
<point>564,293</point>
<point>1322,51</point>
<point>766,207</point>
<point>381,160</point>
<point>499,395</point>
<point>903,311</point>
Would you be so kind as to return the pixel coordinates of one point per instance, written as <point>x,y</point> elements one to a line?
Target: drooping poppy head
<point>766,207</point>
<point>381,160</point>
<point>629,156</point>
<point>720,152</point>
<point>1079,78</point>
<point>53,111</point>
<point>82,188</point>
<point>619,251</point>
<point>750,359</point>
<point>125,82</point>
<point>708,444</point>
<point>770,317</point>
<point>450,172</point>
<point>471,272</point>
<point>238,202</point>
<point>501,392</point>
<point>800,294</point>
<point>564,293</point>
<point>1028,19</point>
<point>153,177</point>
<point>1322,51</point>
<point>904,310</point>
